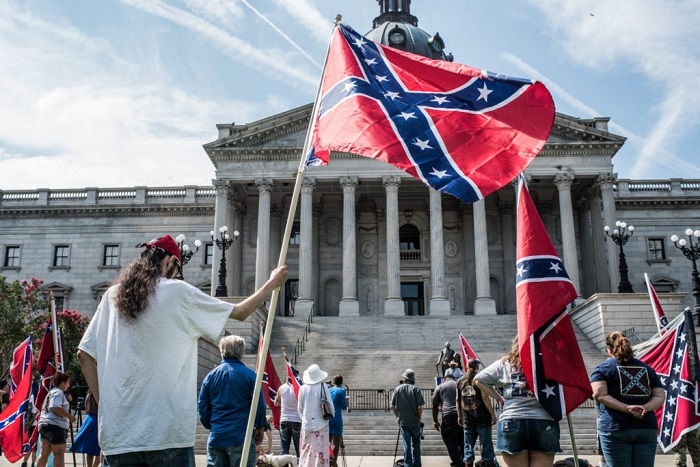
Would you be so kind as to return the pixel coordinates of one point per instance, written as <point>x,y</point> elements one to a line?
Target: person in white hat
<point>314,428</point>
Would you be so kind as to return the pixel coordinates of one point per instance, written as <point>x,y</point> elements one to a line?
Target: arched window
<point>409,243</point>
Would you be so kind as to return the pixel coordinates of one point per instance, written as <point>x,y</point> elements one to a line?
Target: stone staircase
<point>372,352</point>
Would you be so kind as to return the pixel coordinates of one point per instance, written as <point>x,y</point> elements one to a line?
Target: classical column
<point>607,182</point>
<point>306,273</point>
<point>602,276</point>
<point>484,304</point>
<point>465,214</point>
<point>587,276</point>
<point>262,250</point>
<point>393,305</point>
<point>563,182</point>
<point>220,219</point>
<point>506,209</point>
<point>439,305</point>
<point>349,306</point>
<point>276,226</point>
<point>239,211</point>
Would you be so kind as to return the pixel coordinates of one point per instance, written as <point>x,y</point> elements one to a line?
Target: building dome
<point>396,27</point>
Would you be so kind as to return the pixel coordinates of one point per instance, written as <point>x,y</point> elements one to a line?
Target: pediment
<point>568,130</point>
<point>56,287</point>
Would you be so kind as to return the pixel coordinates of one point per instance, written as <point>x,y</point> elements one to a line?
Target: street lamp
<point>620,235</point>
<point>223,243</point>
<point>691,250</point>
<point>185,252</point>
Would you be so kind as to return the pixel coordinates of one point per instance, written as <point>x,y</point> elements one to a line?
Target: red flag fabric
<point>466,350</point>
<point>270,384</point>
<point>293,377</point>
<point>461,130</point>
<point>46,366</point>
<point>669,356</point>
<point>13,434</point>
<point>21,359</point>
<point>549,353</point>
<point>659,314</point>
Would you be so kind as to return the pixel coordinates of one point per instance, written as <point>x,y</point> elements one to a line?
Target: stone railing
<point>664,188</point>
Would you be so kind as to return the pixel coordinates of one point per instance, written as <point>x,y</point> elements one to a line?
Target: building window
<point>208,254</point>
<point>295,237</point>
<point>111,256</point>
<point>11,257</point>
<point>409,243</point>
<point>61,256</point>
<point>655,249</point>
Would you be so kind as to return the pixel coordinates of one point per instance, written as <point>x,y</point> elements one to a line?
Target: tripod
<point>342,452</point>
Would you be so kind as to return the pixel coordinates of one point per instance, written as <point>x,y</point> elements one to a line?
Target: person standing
<point>627,392</point>
<point>224,403</point>
<point>86,441</point>
<point>445,401</point>
<point>314,428</point>
<point>53,423</point>
<point>689,444</point>
<point>475,413</point>
<point>407,404</point>
<point>335,427</point>
<point>290,421</point>
<point>139,356</point>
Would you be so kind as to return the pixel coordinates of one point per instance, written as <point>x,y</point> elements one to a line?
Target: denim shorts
<point>518,435</point>
<point>53,434</point>
<point>172,457</point>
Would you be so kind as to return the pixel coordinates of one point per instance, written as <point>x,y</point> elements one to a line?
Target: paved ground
<point>379,461</point>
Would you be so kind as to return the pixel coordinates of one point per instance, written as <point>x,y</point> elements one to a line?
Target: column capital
<point>391,181</point>
<point>308,184</point>
<point>606,181</point>
<point>564,180</point>
<point>349,182</point>
<point>264,184</point>
<point>220,183</point>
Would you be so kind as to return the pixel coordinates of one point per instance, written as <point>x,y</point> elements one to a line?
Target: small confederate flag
<point>270,384</point>
<point>461,130</point>
<point>669,356</point>
<point>659,314</point>
<point>466,350</point>
<point>293,377</point>
<point>549,352</point>
<point>13,433</point>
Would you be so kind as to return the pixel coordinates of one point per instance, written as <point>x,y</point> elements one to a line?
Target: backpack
<point>470,401</point>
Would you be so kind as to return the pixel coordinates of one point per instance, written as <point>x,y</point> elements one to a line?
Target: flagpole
<point>692,343</point>
<point>282,259</point>
<point>54,332</point>
<point>573,439</point>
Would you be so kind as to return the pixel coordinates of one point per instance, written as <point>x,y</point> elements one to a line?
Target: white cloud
<point>225,12</point>
<point>306,13</point>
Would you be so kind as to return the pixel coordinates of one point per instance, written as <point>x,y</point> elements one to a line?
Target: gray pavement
<point>662,460</point>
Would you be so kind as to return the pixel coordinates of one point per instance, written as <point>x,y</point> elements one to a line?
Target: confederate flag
<point>461,130</point>
<point>293,377</point>
<point>549,352</point>
<point>13,433</point>
<point>466,350</point>
<point>659,314</point>
<point>270,384</point>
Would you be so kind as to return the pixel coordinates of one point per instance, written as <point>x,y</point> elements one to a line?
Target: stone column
<point>563,182</point>
<point>349,306</point>
<point>306,271</point>
<point>220,219</point>
<point>602,276</point>
<point>262,250</point>
<point>606,182</point>
<point>587,274</point>
<point>484,304</point>
<point>237,247</point>
<point>393,305</point>
<point>276,226</point>
<point>439,305</point>
<point>506,209</point>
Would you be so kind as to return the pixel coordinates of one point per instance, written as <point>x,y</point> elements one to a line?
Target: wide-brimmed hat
<point>409,375</point>
<point>449,373</point>
<point>314,374</point>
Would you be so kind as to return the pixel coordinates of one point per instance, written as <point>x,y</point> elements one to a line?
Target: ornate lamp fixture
<point>223,242</point>
<point>620,235</point>
<point>186,252</point>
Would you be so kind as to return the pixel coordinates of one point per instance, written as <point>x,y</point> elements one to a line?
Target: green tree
<point>24,311</point>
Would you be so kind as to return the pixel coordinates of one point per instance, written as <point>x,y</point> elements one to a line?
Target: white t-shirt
<point>288,404</point>
<point>147,368</point>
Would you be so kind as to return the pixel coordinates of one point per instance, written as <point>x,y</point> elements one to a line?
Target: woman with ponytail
<point>627,392</point>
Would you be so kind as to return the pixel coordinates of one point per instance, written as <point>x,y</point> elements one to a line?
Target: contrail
<point>281,33</point>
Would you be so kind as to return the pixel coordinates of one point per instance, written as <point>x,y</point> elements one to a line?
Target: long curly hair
<point>513,357</point>
<point>619,346</point>
<point>138,281</point>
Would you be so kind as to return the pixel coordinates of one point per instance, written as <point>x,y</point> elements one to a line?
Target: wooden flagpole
<point>282,260</point>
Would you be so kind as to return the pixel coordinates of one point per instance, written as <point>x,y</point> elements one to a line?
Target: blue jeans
<point>627,448</point>
<point>175,457</point>
<point>483,433</point>
<point>290,431</point>
<point>229,456</point>
<point>411,446</point>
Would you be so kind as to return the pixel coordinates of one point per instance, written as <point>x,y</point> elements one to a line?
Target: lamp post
<point>185,252</point>
<point>620,235</point>
<point>691,250</point>
<point>223,242</point>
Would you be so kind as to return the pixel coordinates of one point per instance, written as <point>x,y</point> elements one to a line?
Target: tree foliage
<point>24,311</point>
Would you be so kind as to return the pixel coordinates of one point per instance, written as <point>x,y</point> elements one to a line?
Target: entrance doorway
<point>412,296</point>
<point>291,292</point>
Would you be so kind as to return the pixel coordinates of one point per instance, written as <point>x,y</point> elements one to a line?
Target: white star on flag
<point>349,87</point>
<point>484,93</point>
<point>548,390</point>
<point>438,173</point>
<point>422,144</point>
<point>555,267</point>
<point>521,270</point>
<point>391,95</point>
<point>439,100</point>
<point>381,78</point>
<point>370,61</point>
<point>407,115</point>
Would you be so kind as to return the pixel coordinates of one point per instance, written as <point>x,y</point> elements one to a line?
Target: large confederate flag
<point>461,130</point>
<point>13,434</point>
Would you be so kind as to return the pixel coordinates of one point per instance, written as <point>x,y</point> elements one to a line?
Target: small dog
<point>271,460</point>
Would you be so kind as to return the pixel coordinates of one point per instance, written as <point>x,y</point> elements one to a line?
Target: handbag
<point>326,409</point>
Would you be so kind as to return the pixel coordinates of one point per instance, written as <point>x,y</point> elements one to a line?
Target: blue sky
<point>124,93</point>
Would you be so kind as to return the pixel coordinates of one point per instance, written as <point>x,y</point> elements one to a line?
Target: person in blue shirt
<point>335,427</point>
<point>224,404</point>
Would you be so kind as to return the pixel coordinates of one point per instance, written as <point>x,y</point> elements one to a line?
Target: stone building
<point>367,239</point>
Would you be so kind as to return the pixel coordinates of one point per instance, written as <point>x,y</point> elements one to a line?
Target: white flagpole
<point>54,333</point>
<point>282,259</point>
